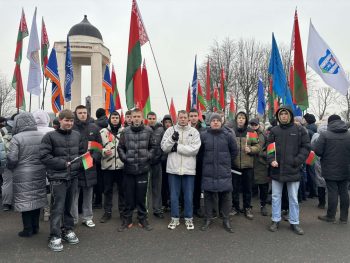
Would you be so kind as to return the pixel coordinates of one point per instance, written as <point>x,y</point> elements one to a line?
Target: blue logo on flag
<point>328,64</point>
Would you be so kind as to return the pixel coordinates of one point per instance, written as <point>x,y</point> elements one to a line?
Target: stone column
<point>97,93</point>
<point>76,85</point>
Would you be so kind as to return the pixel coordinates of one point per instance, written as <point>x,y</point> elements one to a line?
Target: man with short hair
<point>290,149</point>
<point>89,132</point>
<point>128,119</point>
<point>57,151</point>
<point>136,149</point>
<point>156,166</point>
<point>182,142</point>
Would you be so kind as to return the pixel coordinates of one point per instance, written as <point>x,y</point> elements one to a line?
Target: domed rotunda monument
<point>87,48</point>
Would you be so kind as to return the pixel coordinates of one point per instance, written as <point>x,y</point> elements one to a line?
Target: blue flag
<point>109,103</point>
<point>194,86</point>
<point>261,97</point>
<point>69,74</point>
<point>279,80</point>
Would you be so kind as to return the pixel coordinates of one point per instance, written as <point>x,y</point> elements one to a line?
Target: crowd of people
<point>177,165</point>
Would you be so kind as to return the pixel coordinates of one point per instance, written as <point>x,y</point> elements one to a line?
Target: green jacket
<point>260,162</point>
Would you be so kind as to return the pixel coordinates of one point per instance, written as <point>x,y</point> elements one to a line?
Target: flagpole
<point>44,93</point>
<point>30,102</point>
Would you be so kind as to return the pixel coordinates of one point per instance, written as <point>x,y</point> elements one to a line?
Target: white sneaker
<point>70,237</point>
<point>174,223</point>
<point>89,223</point>
<point>55,244</point>
<point>189,223</point>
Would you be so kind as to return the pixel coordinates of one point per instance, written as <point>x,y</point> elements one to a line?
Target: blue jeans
<point>293,201</point>
<point>186,183</point>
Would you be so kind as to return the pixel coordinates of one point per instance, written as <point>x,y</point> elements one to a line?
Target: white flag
<point>324,62</point>
<point>34,77</point>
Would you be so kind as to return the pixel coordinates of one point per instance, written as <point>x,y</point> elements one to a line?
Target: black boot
<point>126,224</point>
<point>297,229</point>
<point>106,216</point>
<point>205,226</point>
<point>25,233</point>
<point>227,225</point>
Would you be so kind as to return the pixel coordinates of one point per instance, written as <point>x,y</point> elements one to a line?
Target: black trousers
<point>321,195</point>
<point>135,195</point>
<point>98,188</point>
<point>109,178</point>
<point>335,189</point>
<point>197,189</point>
<point>210,203</point>
<point>310,183</point>
<point>165,187</point>
<point>30,220</point>
<point>243,181</point>
<point>263,192</point>
<point>62,195</point>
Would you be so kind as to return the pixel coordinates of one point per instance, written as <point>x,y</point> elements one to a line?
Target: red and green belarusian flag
<point>172,111</point>
<point>311,159</point>
<point>94,146</point>
<point>201,103</point>
<point>116,97</point>
<point>231,114</point>
<point>271,148</point>
<point>188,101</point>
<point>215,101</point>
<point>87,160</point>
<point>17,83</point>
<point>208,88</point>
<point>145,97</point>
<point>44,45</point>
<point>252,137</point>
<point>299,88</point>
<point>137,38</point>
<point>272,102</point>
<point>222,89</point>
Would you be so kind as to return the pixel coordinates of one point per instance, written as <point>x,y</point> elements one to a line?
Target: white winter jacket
<point>110,142</point>
<point>182,162</point>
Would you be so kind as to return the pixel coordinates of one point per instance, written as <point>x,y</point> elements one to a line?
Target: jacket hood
<point>322,128</point>
<point>102,122</point>
<point>166,117</point>
<point>24,122</point>
<point>42,118</point>
<point>246,118</point>
<point>312,127</point>
<point>287,108</point>
<point>337,126</point>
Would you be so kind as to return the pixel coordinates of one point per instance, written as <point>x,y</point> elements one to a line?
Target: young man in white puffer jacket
<point>182,143</point>
<point>112,166</point>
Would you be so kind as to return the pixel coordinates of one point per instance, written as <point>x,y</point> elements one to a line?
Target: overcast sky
<point>178,29</point>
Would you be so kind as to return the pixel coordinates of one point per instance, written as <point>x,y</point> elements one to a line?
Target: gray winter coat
<point>23,159</point>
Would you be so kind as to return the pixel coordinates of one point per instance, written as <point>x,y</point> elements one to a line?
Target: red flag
<point>216,103</point>
<point>188,103</point>
<point>145,100</point>
<point>291,82</point>
<point>200,98</point>
<point>87,160</point>
<point>122,118</point>
<point>208,86</point>
<point>116,96</point>
<point>222,89</point>
<point>44,45</point>
<point>172,111</point>
<point>232,109</point>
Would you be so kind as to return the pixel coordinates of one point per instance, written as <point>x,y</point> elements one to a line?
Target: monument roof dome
<point>85,28</point>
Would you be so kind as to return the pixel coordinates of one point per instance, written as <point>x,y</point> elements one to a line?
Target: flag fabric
<point>122,118</point>
<point>215,103</point>
<point>271,102</point>
<point>146,99</point>
<point>279,80</point>
<point>172,111</point>
<point>109,103</point>
<point>222,98</point>
<point>87,160</point>
<point>208,87</point>
<point>261,97</point>
<point>34,75</point>
<point>201,103</point>
<point>188,101</point>
<point>137,38</point>
<point>45,44</point>
<point>69,73</point>
<point>17,83</point>
<point>298,85</point>
<point>324,62</point>
<point>51,72</point>
<point>194,86</point>
<point>311,159</point>
<point>271,148</point>
<point>94,146</point>
<point>116,96</point>
<point>252,137</point>
<point>231,114</point>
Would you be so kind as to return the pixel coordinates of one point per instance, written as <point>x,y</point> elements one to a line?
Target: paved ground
<point>251,242</point>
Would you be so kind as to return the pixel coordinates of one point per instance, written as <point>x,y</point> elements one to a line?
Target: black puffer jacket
<point>292,149</point>
<point>333,146</point>
<point>88,132</point>
<point>102,122</point>
<point>136,149</point>
<point>56,149</point>
<point>158,132</point>
<point>218,151</point>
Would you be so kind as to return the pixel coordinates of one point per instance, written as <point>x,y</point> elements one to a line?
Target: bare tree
<point>7,97</point>
<point>322,100</point>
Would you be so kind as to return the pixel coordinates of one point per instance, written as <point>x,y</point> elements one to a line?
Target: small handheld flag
<point>311,159</point>
<point>87,160</point>
<point>271,148</point>
<point>94,146</point>
<point>252,137</point>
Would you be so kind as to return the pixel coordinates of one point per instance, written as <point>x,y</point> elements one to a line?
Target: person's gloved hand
<point>174,149</point>
<point>175,136</point>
